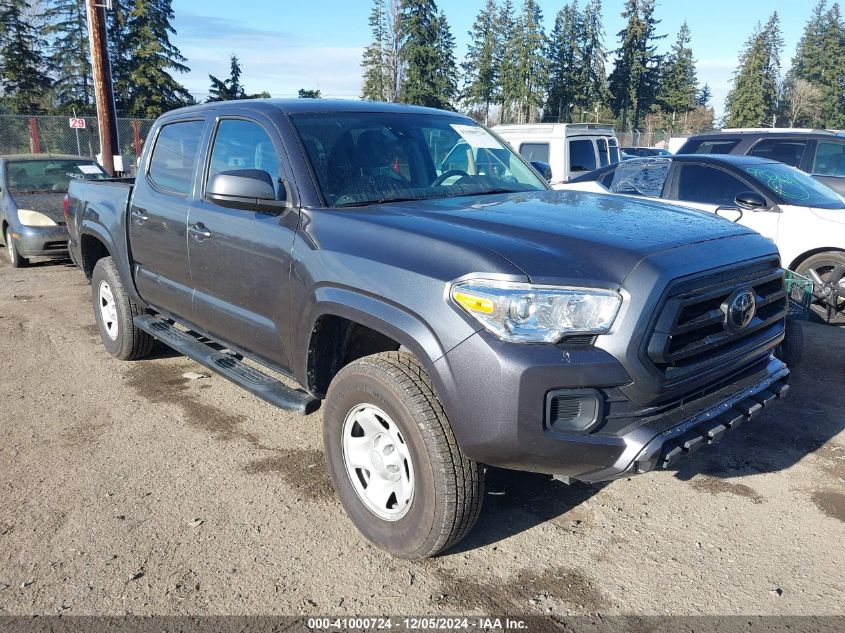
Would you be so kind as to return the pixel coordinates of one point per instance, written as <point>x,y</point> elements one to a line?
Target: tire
<point>11,250</point>
<point>114,311</point>
<point>791,349</point>
<point>829,268</point>
<point>447,489</point>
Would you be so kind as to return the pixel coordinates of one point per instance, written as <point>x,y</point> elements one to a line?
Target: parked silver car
<point>32,191</point>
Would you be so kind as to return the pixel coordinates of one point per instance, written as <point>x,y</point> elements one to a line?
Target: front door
<point>158,218</point>
<point>713,189</point>
<point>240,260</point>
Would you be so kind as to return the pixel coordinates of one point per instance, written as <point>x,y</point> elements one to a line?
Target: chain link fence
<point>20,134</point>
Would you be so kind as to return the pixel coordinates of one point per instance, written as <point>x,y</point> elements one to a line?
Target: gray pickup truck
<point>449,319</point>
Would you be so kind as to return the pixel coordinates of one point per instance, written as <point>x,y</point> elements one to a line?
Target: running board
<point>256,382</point>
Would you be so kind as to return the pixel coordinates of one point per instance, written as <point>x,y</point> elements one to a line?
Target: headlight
<point>34,218</point>
<point>526,313</point>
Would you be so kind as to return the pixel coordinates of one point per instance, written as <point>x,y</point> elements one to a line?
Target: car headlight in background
<point>28,217</point>
<point>525,313</point>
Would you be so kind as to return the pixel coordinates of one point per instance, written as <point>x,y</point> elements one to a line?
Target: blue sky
<point>284,46</point>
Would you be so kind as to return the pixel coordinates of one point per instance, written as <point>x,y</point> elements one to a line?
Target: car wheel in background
<point>12,251</point>
<point>827,270</point>
<point>114,311</point>
<point>393,459</point>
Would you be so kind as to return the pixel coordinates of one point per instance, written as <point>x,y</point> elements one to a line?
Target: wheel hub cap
<point>378,462</point>
<point>108,309</point>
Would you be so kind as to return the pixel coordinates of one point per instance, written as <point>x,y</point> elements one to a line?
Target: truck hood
<point>559,236</point>
<point>49,203</point>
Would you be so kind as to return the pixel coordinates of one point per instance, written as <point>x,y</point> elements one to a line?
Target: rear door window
<point>829,159</point>
<point>175,156</point>
<point>535,152</point>
<point>708,185</point>
<point>614,150</point>
<point>787,151</point>
<point>582,155</point>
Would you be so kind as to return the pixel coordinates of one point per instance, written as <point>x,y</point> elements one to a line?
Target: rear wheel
<point>114,311</point>
<point>12,251</point>
<point>393,458</point>
<point>827,270</point>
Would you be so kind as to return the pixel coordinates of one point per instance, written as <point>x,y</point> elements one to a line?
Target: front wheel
<point>12,251</point>
<point>114,311</point>
<point>393,458</point>
<point>827,270</point>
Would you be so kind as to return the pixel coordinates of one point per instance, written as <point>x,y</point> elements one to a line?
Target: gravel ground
<point>129,488</point>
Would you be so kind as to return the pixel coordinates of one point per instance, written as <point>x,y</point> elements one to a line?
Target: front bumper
<point>37,241</point>
<point>495,393</point>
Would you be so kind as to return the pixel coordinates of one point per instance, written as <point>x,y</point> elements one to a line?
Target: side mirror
<point>751,201</point>
<point>247,189</point>
<point>544,169</point>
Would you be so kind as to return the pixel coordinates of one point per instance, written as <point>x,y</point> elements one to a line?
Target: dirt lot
<point>127,487</point>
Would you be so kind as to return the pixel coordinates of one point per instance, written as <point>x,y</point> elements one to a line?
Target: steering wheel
<point>446,175</point>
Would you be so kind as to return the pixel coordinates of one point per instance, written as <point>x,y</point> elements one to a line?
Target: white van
<point>570,148</point>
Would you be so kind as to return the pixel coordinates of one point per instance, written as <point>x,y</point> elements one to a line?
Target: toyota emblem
<point>741,308</point>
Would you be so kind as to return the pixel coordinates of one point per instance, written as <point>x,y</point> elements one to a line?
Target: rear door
<point>240,260</point>
<point>713,189</point>
<point>581,156</point>
<point>158,217</point>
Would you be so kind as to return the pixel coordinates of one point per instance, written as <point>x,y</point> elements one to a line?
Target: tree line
<point>514,70</point>
<point>45,66</point>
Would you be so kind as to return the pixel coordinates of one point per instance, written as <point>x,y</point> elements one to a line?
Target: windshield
<point>366,158</point>
<point>641,177</point>
<point>38,176</point>
<point>794,186</point>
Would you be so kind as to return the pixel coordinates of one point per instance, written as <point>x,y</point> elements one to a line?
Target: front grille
<point>693,332</point>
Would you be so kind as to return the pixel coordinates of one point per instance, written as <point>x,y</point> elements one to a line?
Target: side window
<point>458,158</point>
<point>535,151</point>
<point>243,145</point>
<point>830,159</point>
<point>603,155</point>
<point>787,151</point>
<point>175,155</point>
<point>711,147</point>
<point>582,156</point>
<point>614,150</point>
<point>708,185</point>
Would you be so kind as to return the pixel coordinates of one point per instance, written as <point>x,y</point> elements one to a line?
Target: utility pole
<point>103,92</point>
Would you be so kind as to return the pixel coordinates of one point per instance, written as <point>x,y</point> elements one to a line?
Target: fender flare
<point>377,313</point>
<point>118,254</point>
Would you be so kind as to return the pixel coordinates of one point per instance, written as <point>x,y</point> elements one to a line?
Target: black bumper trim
<point>672,450</point>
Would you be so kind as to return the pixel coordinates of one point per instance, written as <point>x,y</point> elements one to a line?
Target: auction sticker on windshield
<point>89,169</point>
<point>476,137</point>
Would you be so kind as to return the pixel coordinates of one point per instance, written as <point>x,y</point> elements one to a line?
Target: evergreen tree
<point>152,58</point>
<point>446,74</point>
<point>678,82</point>
<point>506,57</point>
<point>120,60</point>
<point>593,82</point>
<point>819,61</point>
<point>481,65</point>
<point>565,64</point>
<point>426,52</point>
<point>753,100</point>
<point>635,77</point>
<point>309,94</point>
<point>23,73</point>
<point>227,89</point>
<point>704,96</point>
<point>376,72</point>
<point>525,74</point>
<point>67,31</point>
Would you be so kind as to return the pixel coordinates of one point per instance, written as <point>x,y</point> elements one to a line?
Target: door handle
<point>199,232</point>
<point>139,215</point>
